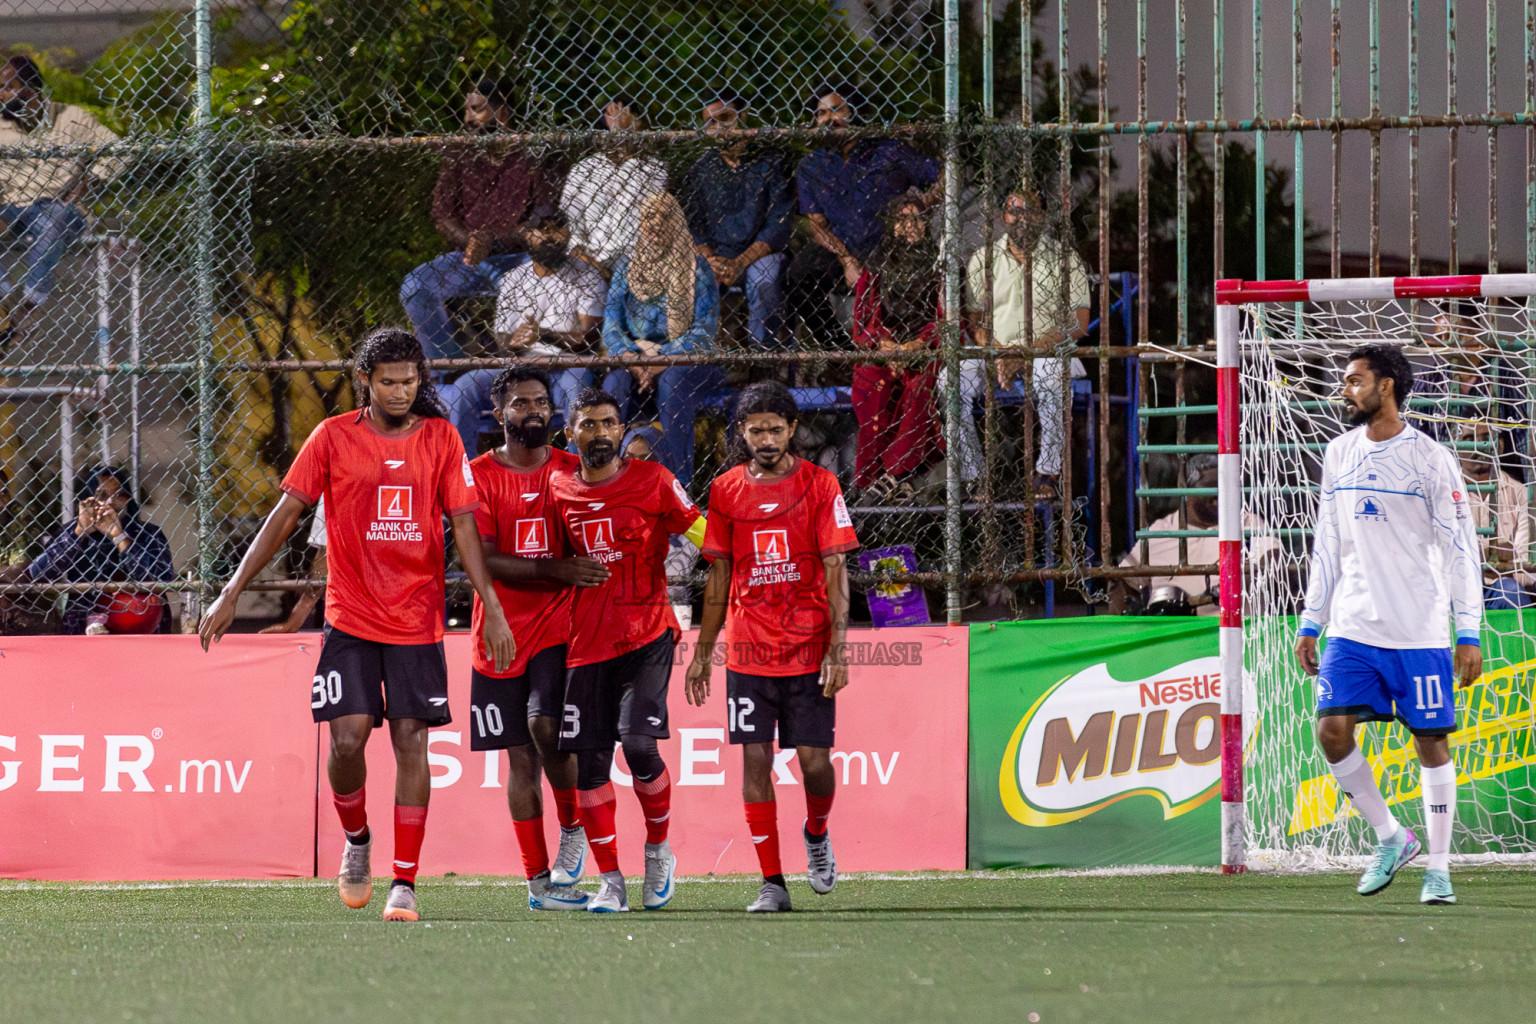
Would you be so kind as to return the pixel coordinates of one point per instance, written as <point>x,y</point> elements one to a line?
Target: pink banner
<point>144,758</point>
<point>900,759</point>
<point>139,757</point>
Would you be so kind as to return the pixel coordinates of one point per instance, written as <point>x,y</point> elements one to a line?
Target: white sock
<point>1359,785</point>
<point>1439,812</point>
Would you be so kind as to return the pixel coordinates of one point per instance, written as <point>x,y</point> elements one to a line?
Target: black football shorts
<point>366,677</point>
<point>500,708</point>
<point>755,704</point>
<point>623,696</point>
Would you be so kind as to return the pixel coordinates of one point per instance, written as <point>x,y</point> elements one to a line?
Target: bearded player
<point>620,512</point>
<point>389,473</point>
<point>518,709</point>
<point>778,535</point>
<point>1394,560</point>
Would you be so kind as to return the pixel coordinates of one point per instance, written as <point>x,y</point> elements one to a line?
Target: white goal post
<point>1279,347</point>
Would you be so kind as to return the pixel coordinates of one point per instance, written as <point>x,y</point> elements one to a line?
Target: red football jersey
<point>516,517</point>
<point>623,522</point>
<point>776,533</point>
<point>385,496</point>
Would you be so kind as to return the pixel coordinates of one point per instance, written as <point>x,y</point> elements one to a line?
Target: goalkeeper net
<point>1474,358</point>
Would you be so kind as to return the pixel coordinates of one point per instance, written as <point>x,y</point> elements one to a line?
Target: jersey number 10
<point>1428,686</point>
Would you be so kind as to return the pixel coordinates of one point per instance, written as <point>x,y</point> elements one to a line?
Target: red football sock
<point>410,827</point>
<point>566,808</point>
<point>352,810</point>
<point>816,810</point>
<point>763,826</point>
<point>530,840</point>
<point>656,801</point>
<point>597,807</point>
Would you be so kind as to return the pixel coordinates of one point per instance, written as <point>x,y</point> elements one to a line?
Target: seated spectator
<point>1506,510</point>
<point>739,200</point>
<point>307,599</point>
<point>1052,322</point>
<point>105,542</point>
<point>640,443</point>
<point>844,189</point>
<point>42,198</point>
<point>895,308</point>
<point>602,194</point>
<point>1201,514</point>
<point>663,300</point>
<point>478,206</point>
<point>550,306</point>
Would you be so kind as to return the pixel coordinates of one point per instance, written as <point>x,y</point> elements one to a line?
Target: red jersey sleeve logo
<point>394,502</point>
<point>597,535</point>
<point>531,537</point>
<point>772,546</point>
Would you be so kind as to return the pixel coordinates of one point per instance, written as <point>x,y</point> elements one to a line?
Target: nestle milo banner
<point>1095,742</point>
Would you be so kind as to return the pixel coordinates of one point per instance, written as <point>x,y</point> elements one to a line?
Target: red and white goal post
<point>1279,350</point>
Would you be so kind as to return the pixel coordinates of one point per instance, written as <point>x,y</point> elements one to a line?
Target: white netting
<point>1475,368</point>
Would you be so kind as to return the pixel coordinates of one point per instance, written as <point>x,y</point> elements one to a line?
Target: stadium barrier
<point>143,758</point>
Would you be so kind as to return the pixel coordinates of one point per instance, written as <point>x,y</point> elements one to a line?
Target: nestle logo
<point>1182,690</point>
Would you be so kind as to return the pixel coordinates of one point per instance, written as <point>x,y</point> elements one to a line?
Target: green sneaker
<point>1437,888</point>
<point>1390,856</point>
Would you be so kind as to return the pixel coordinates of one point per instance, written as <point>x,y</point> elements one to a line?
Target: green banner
<point>1294,802</point>
<point>1095,742</point>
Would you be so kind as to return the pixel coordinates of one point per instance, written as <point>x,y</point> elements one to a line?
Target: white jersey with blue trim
<point>1395,553</point>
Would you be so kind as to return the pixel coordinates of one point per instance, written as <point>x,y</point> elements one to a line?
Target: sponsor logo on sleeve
<point>469,474</point>
<point>840,514</point>
<point>682,495</point>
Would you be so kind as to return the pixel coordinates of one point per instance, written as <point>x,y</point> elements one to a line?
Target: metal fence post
<point>954,488</point>
<point>202,169</point>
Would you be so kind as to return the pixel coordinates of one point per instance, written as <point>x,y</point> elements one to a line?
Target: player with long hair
<point>778,536</point>
<point>388,472</point>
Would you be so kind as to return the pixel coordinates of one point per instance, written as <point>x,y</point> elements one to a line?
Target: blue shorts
<point>1377,684</point>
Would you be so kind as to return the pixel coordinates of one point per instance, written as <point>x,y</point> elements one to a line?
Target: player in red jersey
<point>778,536</point>
<point>518,708</point>
<point>620,512</point>
<point>389,473</point>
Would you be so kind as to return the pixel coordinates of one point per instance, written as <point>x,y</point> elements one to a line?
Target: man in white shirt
<point>602,193</point>
<point>1506,511</point>
<point>1056,317</point>
<point>1394,558</point>
<point>40,197</point>
<point>549,306</point>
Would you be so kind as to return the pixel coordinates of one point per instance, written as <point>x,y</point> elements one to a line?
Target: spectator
<point>41,198</point>
<point>739,200</point>
<point>307,599</point>
<point>663,300</point>
<point>105,542</point>
<point>478,206</point>
<point>1201,514</point>
<point>1056,316</point>
<point>895,309</point>
<point>640,443</point>
<point>1505,510</point>
<point>602,193</point>
<point>550,306</point>
<point>844,189</point>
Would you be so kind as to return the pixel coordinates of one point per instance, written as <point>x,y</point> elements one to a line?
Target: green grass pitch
<point>1006,947</point>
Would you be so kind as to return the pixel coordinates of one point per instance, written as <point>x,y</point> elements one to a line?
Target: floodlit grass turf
<point>1186,947</point>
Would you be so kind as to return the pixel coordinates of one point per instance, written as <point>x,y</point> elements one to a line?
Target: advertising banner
<point>144,758</point>
<point>1293,798</point>
<point>1094,742</point>
<point>141,757</point>
<point>900,762</point>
